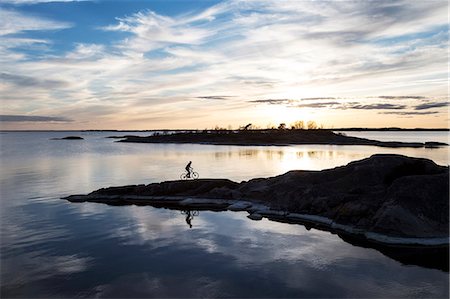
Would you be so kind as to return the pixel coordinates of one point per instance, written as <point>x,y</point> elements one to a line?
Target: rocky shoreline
<point>385,201</point>
<point>269,137</point>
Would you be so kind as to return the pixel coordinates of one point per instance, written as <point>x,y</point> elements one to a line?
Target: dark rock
<point>69,138</point>
<point>432,144</point>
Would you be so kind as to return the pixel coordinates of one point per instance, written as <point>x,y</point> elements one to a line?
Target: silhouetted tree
<point>245,128</point>
<point>282,126</point>
<point>311,125</point>
<point>298,125</point>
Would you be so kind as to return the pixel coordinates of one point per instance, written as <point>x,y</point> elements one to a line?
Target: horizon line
<point>154,130</point>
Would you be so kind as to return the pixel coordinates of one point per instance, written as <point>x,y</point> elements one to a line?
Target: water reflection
<point>145,252</point>
<point>52,248</point>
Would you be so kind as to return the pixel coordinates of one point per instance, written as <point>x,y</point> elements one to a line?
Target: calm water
<point>53,248</point>
<point>405,136</point>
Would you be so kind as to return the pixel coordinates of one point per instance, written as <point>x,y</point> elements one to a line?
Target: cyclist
<point>188,169</point>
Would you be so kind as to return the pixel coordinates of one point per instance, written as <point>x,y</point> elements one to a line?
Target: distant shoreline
<point>199,130</point>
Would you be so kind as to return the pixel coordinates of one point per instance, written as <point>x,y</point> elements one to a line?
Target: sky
<point>136,65</point>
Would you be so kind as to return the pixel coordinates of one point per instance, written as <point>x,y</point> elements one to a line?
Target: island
<point>268,137</point>
<point>384,201</point>
<point>69,138</point>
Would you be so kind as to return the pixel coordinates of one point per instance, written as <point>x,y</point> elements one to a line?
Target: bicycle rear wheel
<point>183,176</point>
<point>195,175</point>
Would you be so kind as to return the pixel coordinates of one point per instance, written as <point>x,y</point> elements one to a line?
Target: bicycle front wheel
<point>195,175</point>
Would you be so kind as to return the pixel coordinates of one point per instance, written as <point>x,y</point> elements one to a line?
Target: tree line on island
<point>297,125</point>
<point>249,128</point>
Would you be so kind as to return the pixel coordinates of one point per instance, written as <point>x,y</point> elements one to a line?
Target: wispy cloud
<point>382,106</point>
<point>318,99</point>
<point>319,105</point>
<point>21,2</point>
<point>152,31</point>
<point>401,97</point>
<point>350,103</point>
<point>32,118</point>
<point>12,22</point>
<point>30,82</point>
<point>431,105</point>
<point>410,112</point>
<point>273,101</point>
<point>215,97</point>
<point>290,101</point>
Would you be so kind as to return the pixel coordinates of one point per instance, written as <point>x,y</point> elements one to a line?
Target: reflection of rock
<point>255,216</point>
<point>121,136</point>
<point>436,257</point>
<point>69,138</point>
<point>385,199</point>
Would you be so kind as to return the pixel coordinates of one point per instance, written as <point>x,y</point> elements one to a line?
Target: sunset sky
<point>198,64</point>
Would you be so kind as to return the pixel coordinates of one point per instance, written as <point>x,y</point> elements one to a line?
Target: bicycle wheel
<point>183,176</point>
<point>195,175</point>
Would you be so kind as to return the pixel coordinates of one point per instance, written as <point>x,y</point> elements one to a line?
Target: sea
<point>51,248</point>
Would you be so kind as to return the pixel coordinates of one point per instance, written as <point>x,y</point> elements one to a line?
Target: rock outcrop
<point>395,204</point>
<point>389,199</point>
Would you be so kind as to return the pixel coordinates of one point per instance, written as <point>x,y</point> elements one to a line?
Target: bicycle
<point>184,175</point>
<point>190,213</point>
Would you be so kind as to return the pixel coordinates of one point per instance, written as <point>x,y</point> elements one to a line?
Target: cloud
<point>15,30</point>
<point>380,106</point>
<point>31,82</point>
<point>290,101</point>
<point>319,105</point>
<point>152,31</point>
<point>409,112</point>
<point>21,2</point>
<point>273,101</point>
<point>12,22</point>
<point>352,105</point>
<point>33,118</point>
<point>401,97</point>
<point>215,97</point>
<point>343,104</point>
<point>431,105</point>
<point>318,98</point>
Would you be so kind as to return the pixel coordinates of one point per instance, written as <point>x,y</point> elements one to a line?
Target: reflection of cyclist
<point>188,169</point>
<point>189,217</point>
